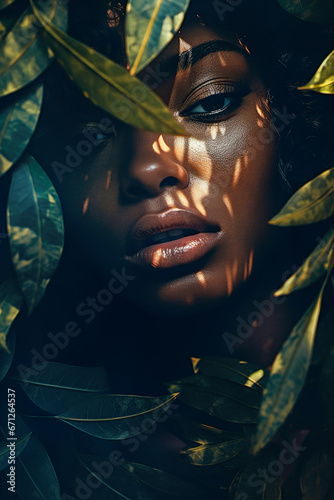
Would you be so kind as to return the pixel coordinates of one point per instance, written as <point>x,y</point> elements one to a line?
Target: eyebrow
<point>188,58</point>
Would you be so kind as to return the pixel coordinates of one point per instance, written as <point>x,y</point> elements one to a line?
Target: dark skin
<point>225,173</point>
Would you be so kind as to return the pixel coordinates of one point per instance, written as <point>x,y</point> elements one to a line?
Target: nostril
<point>168,181</point>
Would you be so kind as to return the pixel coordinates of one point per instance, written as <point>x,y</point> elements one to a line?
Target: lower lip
<point>175,253</point>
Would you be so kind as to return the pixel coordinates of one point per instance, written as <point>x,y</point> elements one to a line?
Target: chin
<point>186,296</point>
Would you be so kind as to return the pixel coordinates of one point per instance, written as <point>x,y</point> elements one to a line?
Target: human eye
<point>216,106</point>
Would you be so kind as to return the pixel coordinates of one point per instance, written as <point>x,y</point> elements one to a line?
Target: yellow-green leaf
<point>234,370</point>
<point>5,3</point>
<point>35,229</point>
<point>313,202</point>
<point>211,454</point>
<point>11,301</point>
<point>18,120</point>
<point>288,374</point>
<point>109,85</point>
<point>24,54</point>
<point>316,11</point>
<point>323,79</point>
<point>312,268</point>
<point>150,25</point>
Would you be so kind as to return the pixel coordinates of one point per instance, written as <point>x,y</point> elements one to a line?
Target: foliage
<point>238,409</point>
<point>150,26</point>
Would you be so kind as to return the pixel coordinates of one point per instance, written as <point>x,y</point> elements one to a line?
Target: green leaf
<point>11,302</point>
<point>313,202</point>
<point>35,229</point>
<point>218,406</point>
<point>57,387</point>
<point>109,85</point>
<point>197,432</point>
<point>36,477</point>
<point>312,268</point>
<point>116,416</point>
<point>316,11</point>
<point>211,454</point>
<point>5,3</point>
<point>323,79</point>
<point>119,483</point>
<point>234,370</point>
<point>7,21</point>
<point>24,54</point>
<point>159,480</point>
<point>288,374</point>
<point>317,475</point>
<point>6,357</point>
<point>18,120</point>
<point>22,434</point>
<point>150,25</point>
<point>236,392</point>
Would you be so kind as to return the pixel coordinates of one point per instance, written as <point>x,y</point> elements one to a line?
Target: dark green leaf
<point>233,486</point>
<point>24,54</point>
<point>312,268</point>
<point>57,387</point>
<point>160,480</point>
<point>35,229</point>
<point>6,357</point>
<point>316,11</point>
<point>252,483</point>
<point>117,416</point>
<point>313,202</point>
<point>11,302</point>
<point>199,433</point>
<point>119,483</point>
<point>236,392</point>
<point>234,370</point>
<point>211,454</point>
<point>327,387</point>
<point>216,405</point>
<point>36,476</point>
<point>18,120</point>
<point>22,434</point>
<point>317,475</point>
<point>109,85</point>
<point>150,25</point>
<point>323,80</point>
<point>288,374</point>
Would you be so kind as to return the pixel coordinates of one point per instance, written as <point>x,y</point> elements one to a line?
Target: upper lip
<point>151,224</point>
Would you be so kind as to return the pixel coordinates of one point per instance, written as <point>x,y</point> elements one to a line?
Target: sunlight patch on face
<point>169,200</point>
<point>182,198</point>
<point>201,278</point>
<point>260,111</point>
<point>217,129</point>
<point>85,206</point>
<point>237,172</point>
<point>228,204</point>
<point>160,145</point>
<point>108,181</point>
<point>248,265</point>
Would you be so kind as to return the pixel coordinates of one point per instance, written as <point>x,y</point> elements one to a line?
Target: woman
<point>168,251</point>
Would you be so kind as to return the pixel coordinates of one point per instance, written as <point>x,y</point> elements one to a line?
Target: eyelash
<point>215,115</point>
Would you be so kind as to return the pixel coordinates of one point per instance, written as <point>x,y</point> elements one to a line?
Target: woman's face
<point>187,216</point>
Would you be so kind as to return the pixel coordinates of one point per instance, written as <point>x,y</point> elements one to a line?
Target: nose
<point>153,167</point>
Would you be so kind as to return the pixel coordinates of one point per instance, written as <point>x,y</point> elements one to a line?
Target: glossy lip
<point>172,253</point>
